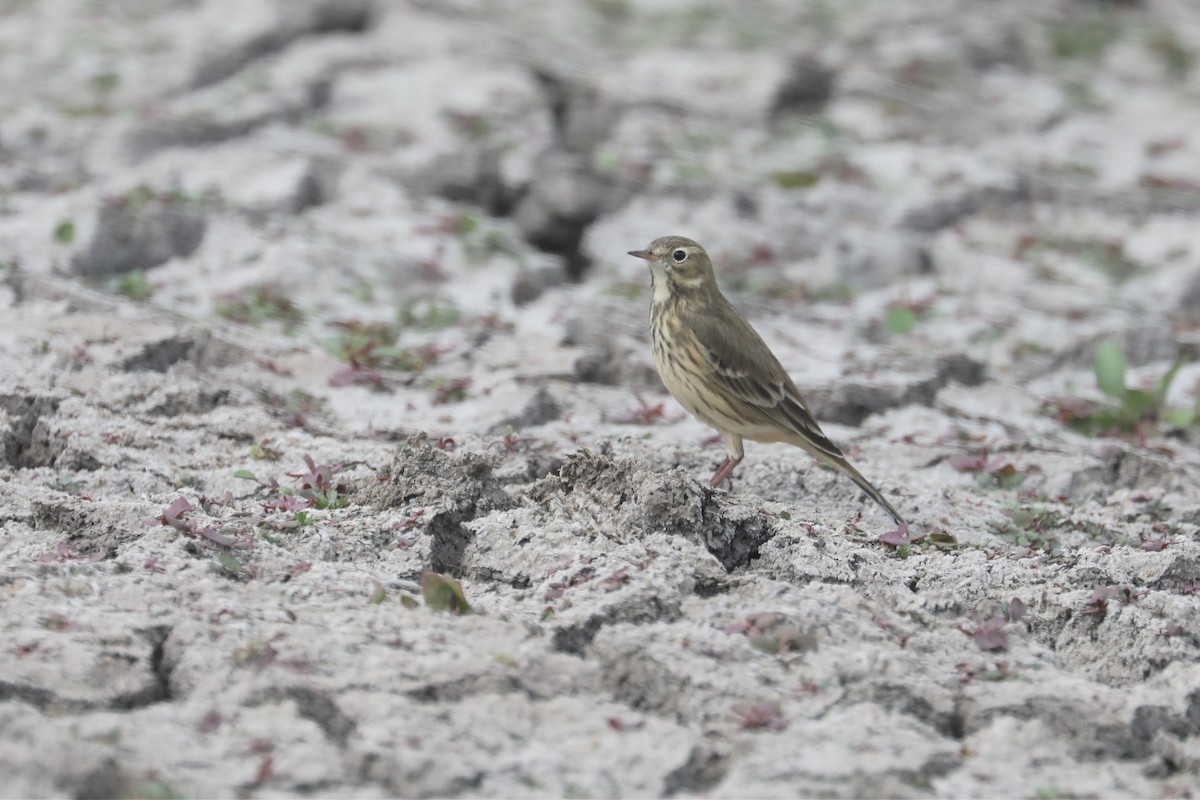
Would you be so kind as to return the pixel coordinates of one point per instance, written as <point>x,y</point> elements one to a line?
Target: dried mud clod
<point>852,401</point>
<point>195,347</point>
<point>459,488</point>
<point>25,439</point>
<point>645,502</point>
<point>296,21</point>
<point>805,89</point>
<point>141,232</point>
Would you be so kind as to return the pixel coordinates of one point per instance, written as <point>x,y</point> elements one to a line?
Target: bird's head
<point>677,265</point>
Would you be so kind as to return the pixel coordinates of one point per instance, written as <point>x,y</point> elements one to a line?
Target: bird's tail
<point>846,468</point>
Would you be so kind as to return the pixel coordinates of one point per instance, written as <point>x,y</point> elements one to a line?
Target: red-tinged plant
<point>989,634</point>
<point>759,716</point>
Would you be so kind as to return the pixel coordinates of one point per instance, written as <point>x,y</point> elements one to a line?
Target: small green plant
<point>262,450</point>
<point>833,165</point>
<point>1126,410</point>
<point>899,319</point>
<point>135,286</point>
<point>443,594</point>
<point>259,304</point>
<point>904,543</point>
<point>153,789</point>
<point>317,489</point>
<point>296,409</point>
<point>430,316</point>
<point>796,178</point>
<point>368,348</point>
<point>450,390</point>
<point>69,483</point>
<point>901,316</point>
<point>992,472</point>
<point>64,232</point>
<point>1029,526</point>
<point>480,242</point>
<point>839,292</point>
<point>1083,36</point>
<point>379,595</point>
<point>1106,256</point>
<point>372,344</point>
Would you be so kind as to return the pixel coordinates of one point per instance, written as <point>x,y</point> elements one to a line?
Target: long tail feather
<point>846,468</point>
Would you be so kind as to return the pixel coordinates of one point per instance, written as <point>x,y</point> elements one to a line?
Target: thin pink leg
<point>723,471</point>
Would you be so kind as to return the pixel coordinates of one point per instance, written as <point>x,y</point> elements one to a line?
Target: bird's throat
<point>661,283</point>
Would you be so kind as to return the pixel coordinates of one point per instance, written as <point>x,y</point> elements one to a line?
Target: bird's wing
<point>750,373</point>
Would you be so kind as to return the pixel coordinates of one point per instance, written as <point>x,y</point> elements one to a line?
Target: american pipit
<point>721,371</point>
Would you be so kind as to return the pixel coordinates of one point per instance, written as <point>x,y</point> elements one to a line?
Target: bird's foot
<point>723,471</point>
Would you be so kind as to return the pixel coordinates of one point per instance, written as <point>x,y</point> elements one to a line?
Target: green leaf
<point>64,232</point>
<point>408,601</point>
<point>1164,383</point>
<point>379,595</point>
<point>245,474</point>
<point>1140,403</point>
<point>795,178</point>
<point>899,320</point>
<point>1110,369</point>
<point>1180,417</point>
<point>943,540</point>
<point>443,594</point>
<point>230,564</point>
<point>134,286</point>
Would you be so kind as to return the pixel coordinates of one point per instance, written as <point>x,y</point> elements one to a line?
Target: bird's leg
<point>735,455</point>
<point>723,471</point>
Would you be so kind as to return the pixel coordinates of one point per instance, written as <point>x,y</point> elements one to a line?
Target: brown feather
<point>749,371</point>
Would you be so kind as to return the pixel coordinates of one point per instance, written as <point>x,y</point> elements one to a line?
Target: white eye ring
<point>679,256</point>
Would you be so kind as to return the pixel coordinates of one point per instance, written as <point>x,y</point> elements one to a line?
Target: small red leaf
<point>1016,609</point>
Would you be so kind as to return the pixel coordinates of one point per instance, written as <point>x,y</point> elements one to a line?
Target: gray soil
<point>934,212</point>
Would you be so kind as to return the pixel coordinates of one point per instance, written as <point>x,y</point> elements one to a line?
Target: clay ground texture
<point>389,238</point>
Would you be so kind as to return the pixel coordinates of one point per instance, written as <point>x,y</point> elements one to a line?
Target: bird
<point>717,366</point>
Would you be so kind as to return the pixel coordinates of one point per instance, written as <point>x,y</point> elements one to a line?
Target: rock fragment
<point>140,230</point>
<point>807,86</point>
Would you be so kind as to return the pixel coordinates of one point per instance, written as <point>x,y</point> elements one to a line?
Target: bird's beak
<point>646,254</point>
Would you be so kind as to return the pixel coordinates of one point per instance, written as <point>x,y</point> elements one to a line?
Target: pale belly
<point>709,408</point>
<point>683,379</point>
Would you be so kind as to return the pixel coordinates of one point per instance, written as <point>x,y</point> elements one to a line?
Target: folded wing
<point>751,374</point>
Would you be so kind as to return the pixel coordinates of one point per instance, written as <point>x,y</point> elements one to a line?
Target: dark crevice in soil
<point>160,690</point>
<point>900,699</point>
<point>455,691</point>
<point>707,586</point>
<point>41,699</point>
<point>576,638</point>
<point>703,770</point>
<point>317,707</point>
<point>340,16</point>
<point>850,403</point>
<point>160,356</point>
<point>107,780</point>
<point>450,540</point>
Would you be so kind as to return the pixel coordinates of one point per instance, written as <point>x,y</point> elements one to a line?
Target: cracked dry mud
<point>300,301</point>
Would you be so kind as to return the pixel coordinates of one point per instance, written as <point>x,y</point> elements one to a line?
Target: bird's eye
<point>679,255</point>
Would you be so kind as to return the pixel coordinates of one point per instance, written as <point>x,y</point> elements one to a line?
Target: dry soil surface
<point>310,307</point>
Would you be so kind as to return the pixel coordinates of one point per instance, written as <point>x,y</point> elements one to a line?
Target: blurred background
<point>422,188</point>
